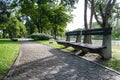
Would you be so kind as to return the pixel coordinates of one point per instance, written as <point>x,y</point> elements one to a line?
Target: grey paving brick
<point>41,62</point>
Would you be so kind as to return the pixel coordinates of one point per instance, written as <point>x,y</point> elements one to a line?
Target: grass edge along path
<point>113,63</point>
<point>8,53</point>
<point>55,45</point>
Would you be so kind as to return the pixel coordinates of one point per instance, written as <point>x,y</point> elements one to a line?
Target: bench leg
<point>76,49</point>
<point>65,46</point>
<point>103,57</point>
<point>83,52</point>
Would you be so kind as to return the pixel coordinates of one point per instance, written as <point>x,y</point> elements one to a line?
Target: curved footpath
<point>41,62</point>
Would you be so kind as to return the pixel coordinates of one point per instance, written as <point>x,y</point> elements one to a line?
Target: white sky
<point>78,21</point>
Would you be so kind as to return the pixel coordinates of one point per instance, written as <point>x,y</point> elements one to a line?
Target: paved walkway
<point>41,62</point>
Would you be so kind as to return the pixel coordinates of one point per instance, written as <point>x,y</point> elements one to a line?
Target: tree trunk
<point>90,23</point>
<point>86,38</point>
<point>78,38</point>
<point>41,29</point>
<point>85,15</point>
<point>91,17</point>
<point>55,32</point>
<point>38,29</point>
<point>89,39</point>
<point>95,14</point>
<point>52,32</point>
<point>4,33</point>
<point>105,15</point>
<point>107,53</point>
<point>10,35</point>
<point>67,38</point>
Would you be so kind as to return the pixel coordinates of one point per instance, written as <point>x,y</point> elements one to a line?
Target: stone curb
<point>107,68</point>
<point>13,67</point>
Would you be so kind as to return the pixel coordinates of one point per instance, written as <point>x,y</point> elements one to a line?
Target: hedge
<point>40,36</point>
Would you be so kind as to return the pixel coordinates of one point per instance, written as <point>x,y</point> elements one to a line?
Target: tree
<point>4,15</point>
<point>102,10</point>
<point>117,15</point>
<point>15,28</point>
<point>45,15</point>
<point>59,19</point>
<point>30,27</point>
<point>86,37</point>
<point>91,13</point>
<point>70,3</point>
<point>90,21</point>
<point>22,29</point>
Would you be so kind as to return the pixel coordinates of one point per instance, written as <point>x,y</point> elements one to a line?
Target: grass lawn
<point>46,42</point>
<point>115,61</point>
<point>112,63</point>
<point>8,53</point>
<point>55,45</point>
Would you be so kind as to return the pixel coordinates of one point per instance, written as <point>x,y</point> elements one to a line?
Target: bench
<point>78,45</point>
<point>87,48</point>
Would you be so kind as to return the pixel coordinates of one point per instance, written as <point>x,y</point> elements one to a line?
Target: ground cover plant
<point>8,53</point>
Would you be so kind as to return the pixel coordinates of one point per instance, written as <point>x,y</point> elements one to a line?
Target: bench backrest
<point>101,31</point>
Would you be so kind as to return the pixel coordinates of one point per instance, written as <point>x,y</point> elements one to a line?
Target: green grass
<point>114,62</point>
<point>55,45</point>
<point>8,52</point>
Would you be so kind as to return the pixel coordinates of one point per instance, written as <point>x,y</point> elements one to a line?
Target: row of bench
<point>84,46</point>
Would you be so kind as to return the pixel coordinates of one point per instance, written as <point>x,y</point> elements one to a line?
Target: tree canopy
<point>45,15</point>
<point>52,16</point>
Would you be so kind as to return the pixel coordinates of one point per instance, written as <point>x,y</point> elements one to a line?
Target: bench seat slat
<point>81,45</point>
<point>88,46</point>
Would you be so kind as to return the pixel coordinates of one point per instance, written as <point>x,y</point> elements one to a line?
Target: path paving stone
<point>41,62</point>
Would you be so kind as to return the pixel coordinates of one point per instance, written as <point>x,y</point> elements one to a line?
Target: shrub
<point>40,36</point>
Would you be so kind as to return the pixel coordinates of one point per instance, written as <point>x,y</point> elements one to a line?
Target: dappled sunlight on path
<point>41,62</point>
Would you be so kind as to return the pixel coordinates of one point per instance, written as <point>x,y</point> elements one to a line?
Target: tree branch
<point>109,7</point>
<point>95,15</point>
<point>101,11</point>
<point>85,14</point>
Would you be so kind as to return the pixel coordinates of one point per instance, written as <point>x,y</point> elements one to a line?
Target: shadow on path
<point>59,65</point>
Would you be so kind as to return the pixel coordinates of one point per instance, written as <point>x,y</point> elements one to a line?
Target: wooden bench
<point>87,48</point>
<point>78,45</point>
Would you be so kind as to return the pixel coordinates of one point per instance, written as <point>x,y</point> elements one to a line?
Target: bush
<point>40,36</point>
